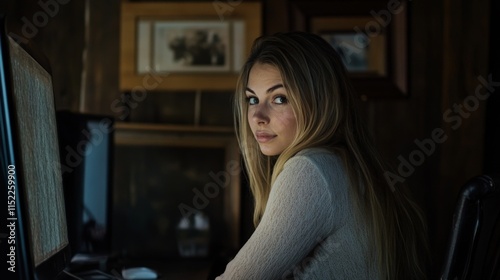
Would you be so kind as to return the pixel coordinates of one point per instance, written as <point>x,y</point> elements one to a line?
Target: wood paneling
<point>465,58</point>
<point>57,31</point>
<point>100,77</point>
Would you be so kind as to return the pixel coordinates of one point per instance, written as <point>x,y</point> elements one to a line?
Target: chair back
<point>474,242</point>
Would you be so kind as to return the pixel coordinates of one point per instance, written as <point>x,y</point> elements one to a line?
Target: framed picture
<point>362,55</point>
<point>185,46</point>
<point>191,46</point>
<point>354,56</point>
<point>370,37</point>
<point>166,46</point>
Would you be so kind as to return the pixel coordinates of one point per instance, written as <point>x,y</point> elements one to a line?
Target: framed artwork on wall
<point>185,46</point>
<point>166,46</point>
<point>355,58</point>
<point>362,55</point>
<point>370,37</point>
<point>191,46</point>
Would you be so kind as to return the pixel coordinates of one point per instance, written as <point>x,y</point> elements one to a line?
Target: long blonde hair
<point>325,106</point>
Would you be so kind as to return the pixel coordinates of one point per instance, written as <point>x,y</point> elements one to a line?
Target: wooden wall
<point>57,30</point>
<point>463,57</point>
<point>448,52</point>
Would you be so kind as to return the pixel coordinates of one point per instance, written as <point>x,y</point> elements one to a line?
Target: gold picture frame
<point>383,70</point>
<point>362,56</point>
<point>243,22</point>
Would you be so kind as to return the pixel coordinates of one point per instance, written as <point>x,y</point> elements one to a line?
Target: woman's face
<point>270,116</point>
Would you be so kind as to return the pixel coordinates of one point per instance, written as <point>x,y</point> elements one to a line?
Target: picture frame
<point>380,25</point>
<point>151,60</point>
<point>363,56</point>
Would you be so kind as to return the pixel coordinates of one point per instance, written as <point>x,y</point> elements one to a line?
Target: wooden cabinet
<point>165,173</point>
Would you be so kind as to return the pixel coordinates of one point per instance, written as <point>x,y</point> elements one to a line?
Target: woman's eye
<point>252,100</point>
<point>280,100</point>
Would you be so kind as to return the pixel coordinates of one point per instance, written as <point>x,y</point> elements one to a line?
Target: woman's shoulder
<point>317,155</point>
<point>325,161</point>
<point>324,170</point>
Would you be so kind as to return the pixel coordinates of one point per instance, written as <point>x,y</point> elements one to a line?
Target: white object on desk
<point>138,273</point>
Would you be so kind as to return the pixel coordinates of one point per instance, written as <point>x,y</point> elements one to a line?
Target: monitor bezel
<point>56,264</point>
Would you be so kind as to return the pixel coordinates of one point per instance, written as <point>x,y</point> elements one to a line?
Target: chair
<point>473,250</point>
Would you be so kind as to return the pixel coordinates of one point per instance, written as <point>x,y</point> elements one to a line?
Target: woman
<point>323,209</point>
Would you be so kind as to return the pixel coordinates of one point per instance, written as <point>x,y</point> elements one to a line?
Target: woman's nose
<point>260,114</point>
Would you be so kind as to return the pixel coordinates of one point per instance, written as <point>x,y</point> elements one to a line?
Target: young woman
<point>323,209</point>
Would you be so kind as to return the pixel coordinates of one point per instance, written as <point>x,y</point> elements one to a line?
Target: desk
<point>168,269</point>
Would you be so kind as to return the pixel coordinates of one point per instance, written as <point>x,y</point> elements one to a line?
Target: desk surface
<point>173,270</point>
<point>168,269</point>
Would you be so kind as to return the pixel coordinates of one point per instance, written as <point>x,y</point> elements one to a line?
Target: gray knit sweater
<point>309,228</point>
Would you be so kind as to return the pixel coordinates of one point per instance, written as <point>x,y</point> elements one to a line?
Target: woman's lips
<point>263,137</point>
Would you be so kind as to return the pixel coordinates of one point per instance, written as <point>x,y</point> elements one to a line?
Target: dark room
<point>249,139</point>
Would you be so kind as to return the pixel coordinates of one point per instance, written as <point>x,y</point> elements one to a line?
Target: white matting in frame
<point>190,46</point>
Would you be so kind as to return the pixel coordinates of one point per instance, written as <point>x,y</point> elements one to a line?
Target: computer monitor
<point>86,151</point>
<point>35,240</point>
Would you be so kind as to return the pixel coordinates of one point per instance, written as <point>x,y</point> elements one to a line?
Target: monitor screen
<point>86,145</point>
<point>37,238</point>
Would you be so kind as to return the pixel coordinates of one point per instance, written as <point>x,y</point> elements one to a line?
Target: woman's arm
<point>299,214</point>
